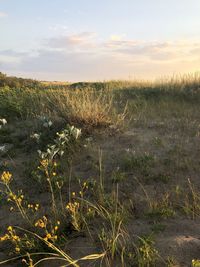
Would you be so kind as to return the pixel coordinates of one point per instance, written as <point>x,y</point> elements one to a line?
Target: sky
<point>87,40</point>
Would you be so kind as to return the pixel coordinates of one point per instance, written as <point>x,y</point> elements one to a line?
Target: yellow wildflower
<point>44,163</point>
<point>16,238</point>
<point>37,207</point>
<point>48,236</point>
<point>17,249</point>
<point>40,224</point>
<point>9,228</point>
<point>6,177</point>
<point>4,238</point>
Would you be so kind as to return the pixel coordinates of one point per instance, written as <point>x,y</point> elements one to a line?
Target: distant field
<point>100,174</point>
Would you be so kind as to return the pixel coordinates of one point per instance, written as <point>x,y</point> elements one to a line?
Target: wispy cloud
<point>84,56</point>
<point>75,40</point>
<point>119,46</point>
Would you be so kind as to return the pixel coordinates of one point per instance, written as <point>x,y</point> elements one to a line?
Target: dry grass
<point>86,108</point>
<point>83,107</point>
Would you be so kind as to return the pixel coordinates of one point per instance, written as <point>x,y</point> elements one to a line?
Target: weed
<point>118,176</point>
<point>171,262</point>
<point>161,208</point>
<point>191,202</point>
<point>17,199</point>
<point>140,163</point>
<point>146,253</point>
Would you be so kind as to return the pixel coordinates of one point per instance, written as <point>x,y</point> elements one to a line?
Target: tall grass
<point>93,103</point>
<point>87,108</point>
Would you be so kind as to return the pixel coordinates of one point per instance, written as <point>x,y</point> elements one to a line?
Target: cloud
<point>154,51</point>
<point>76,40</point>
<point>3,14</point>
<point>84,56</point>
<point>12,58</point>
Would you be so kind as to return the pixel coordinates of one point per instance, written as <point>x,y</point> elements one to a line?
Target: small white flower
<point>50,123</point>
<point>35,136</point>
<point>3,121</point>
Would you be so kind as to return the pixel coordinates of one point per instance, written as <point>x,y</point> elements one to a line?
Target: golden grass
<point>86,108</point>
<point>83,107</point>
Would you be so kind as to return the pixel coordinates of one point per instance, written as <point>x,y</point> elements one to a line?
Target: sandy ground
<point>175,154</point>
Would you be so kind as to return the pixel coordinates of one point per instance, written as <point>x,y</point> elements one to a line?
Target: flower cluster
<point>33,207</point>
<point>61,143</point>
<point>13,237</point>
<point>17,199</point>
<point>74,210</point>
<point>44,163</point>
<point>50,235</point>
<point>73,207</point>
<point>42,223</point>
<point>12,196</point>
<point>6,177</point>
